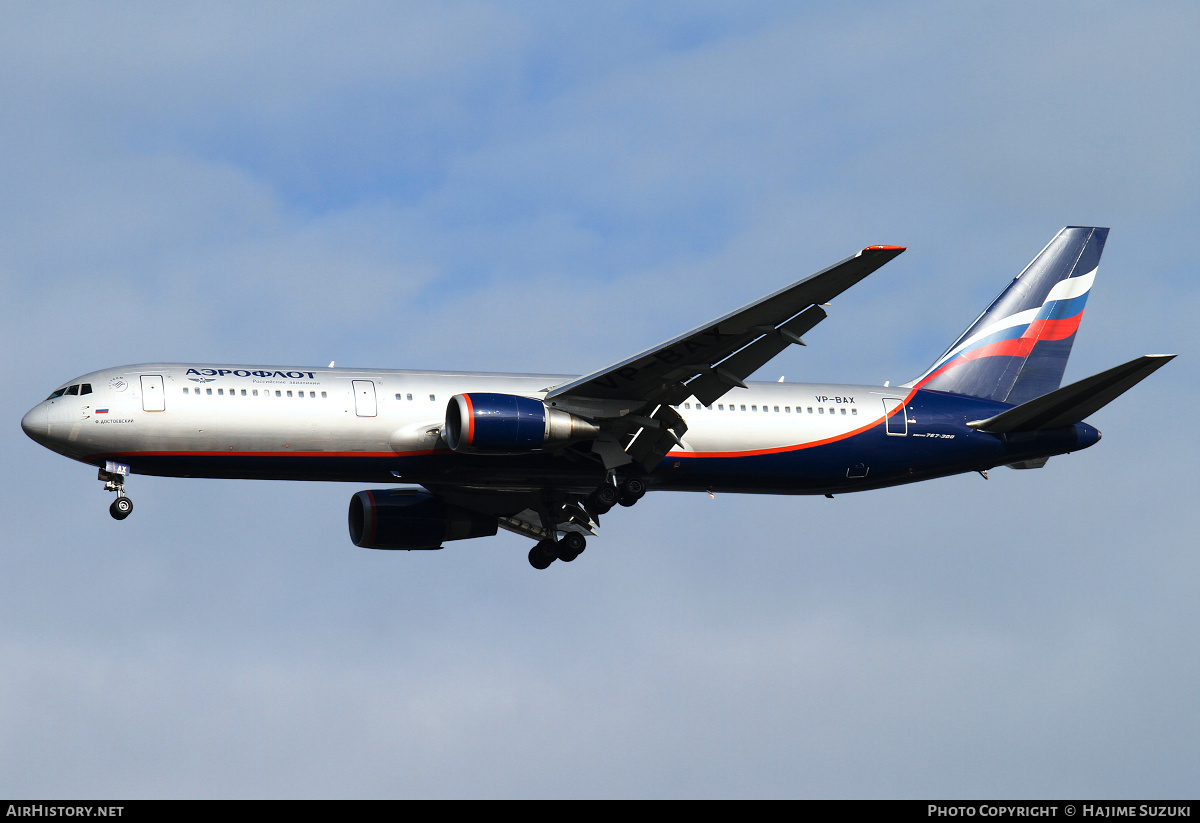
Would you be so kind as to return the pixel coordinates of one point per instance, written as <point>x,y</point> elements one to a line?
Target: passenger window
<point>243,392</point>
<point>397,395</point>
<point>787,409</point>
<point>409,396</point>
<point>431,397</point>
<point>820,411</point>
<point>843,411</point>
<point>810,409</point>
<point>279,393</point>
<point>776,408</point>
<point>323,394</point>
<point>221,391</point>
<point>208,391</point>
<point>754,408</point>
<point>743,407</point>
<point>289,392</point>
<point>255,392</point>
<point>853,412</point>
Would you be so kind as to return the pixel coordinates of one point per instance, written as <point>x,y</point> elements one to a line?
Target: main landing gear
<point>605,497</point>
<point>572,543</point>
<point>567,549</point>
<point>113,475</point>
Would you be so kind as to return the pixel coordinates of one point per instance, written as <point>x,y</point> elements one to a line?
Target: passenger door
<point>364,398</point>
<point>897,422</point>
<point>154,398</point>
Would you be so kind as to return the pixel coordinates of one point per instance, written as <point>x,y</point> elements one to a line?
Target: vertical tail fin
<point>1018,348</point>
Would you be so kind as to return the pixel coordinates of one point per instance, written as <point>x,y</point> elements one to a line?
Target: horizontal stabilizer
<point>1072,404</point>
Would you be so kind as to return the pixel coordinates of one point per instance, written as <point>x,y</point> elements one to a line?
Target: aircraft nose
<point>35,423</point>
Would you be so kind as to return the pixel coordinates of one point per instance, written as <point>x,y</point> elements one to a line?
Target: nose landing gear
<point>113,475</point>
<point>121,508</point>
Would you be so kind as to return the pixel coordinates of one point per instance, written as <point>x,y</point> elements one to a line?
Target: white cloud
<point>516,187</point>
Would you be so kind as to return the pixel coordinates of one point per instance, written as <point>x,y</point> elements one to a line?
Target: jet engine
<point>510,424</point>
<point>411,519</point>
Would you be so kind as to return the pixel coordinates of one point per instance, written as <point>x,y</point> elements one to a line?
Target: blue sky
<point>538,187</point>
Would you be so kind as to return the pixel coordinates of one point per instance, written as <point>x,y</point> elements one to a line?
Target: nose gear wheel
<point>121,508</point>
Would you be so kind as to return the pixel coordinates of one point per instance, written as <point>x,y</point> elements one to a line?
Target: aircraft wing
<point>713,358</point>
<point>709,360</point>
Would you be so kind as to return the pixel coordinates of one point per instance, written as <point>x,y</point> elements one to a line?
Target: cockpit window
<point>58,393</point>
<point>86,388</point>
<point>73,389</point>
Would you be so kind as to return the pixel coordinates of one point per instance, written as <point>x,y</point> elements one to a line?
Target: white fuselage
<point>173,409</point>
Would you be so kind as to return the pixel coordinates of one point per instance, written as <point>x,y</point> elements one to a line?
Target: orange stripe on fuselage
<point>798,446</point>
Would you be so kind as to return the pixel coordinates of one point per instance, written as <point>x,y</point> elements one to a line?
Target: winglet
<point>886,248</point>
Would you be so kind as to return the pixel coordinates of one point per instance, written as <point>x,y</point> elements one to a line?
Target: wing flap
<point>663,431</point>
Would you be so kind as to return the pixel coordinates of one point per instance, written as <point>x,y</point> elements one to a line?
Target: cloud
<point>515,187</point>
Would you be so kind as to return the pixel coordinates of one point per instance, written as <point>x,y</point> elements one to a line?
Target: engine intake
<point>510,424</point>
<point>411,519</point>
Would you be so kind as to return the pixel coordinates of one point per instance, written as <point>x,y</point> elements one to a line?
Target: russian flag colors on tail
<point>1018,348</point>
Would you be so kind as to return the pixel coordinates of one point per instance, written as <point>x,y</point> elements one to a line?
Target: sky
<point>552,187</point>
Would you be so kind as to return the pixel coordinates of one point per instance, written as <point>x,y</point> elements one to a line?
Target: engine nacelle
<point>510,424</point>
<point>411,519</point>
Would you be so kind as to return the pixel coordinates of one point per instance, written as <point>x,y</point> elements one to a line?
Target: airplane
<point>546,456</point>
